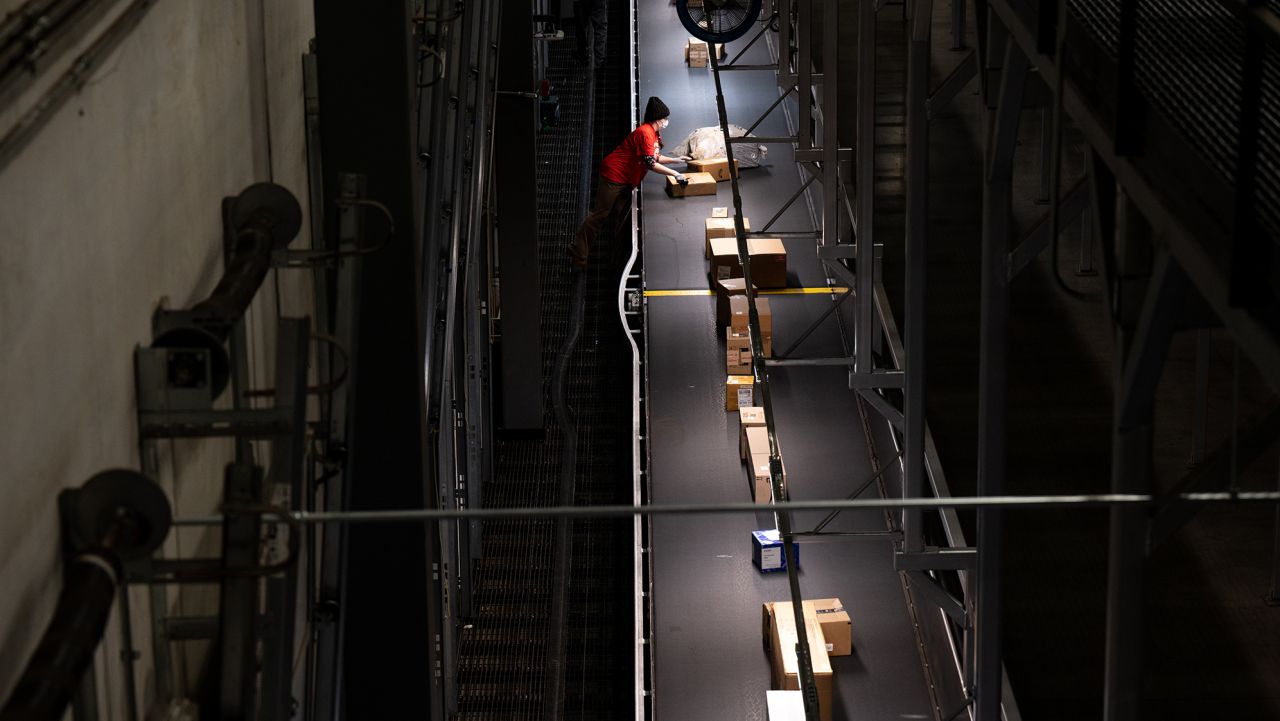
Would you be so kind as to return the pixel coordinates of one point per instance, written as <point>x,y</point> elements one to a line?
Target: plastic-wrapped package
<point>705,143</point>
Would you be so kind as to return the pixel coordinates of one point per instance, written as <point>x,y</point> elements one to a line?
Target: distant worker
<point>592,20</point>
<point>620,172</point>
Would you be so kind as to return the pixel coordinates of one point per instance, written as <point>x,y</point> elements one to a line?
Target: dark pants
<point>592,18</point>
<point>609,214</point>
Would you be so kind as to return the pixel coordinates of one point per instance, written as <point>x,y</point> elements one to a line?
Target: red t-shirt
<point>625,164</point>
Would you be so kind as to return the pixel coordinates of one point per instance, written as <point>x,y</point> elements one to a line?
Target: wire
<point>328,387</point>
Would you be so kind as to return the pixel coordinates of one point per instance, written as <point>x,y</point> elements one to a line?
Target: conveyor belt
<point>708,660</point>
<point>1189,55</point>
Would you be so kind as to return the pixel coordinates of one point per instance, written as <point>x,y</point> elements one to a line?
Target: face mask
<point>662,124</point>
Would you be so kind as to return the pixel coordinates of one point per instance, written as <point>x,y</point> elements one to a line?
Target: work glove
<point>681,179</point>
<point>685,158</point>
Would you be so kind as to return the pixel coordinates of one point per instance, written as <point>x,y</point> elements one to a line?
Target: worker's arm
<point>677,159</point>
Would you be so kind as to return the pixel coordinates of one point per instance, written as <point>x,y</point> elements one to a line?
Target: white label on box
<point>746,396</point>
<point>771,557</point>
<point>831,647</point>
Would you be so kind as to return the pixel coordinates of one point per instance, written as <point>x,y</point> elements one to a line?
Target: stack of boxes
<point>829,633</point>
<point>696,51</point>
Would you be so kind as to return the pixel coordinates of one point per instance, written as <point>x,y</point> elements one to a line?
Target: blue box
<point>767,551</point>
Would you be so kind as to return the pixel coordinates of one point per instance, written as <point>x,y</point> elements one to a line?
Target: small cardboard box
<point>767,551</point>
<point>761,483</point>
<point>742,341</point>
<point>739,391</point>
<point>836,627</point>
<point>737,361</point>
<point>780,641</point>
<point>768,262</point>
<point>749,417</point>
<point>726,288</point>
<point>724,259</point>
<point>699,184</point>
<point>719,212</point>
<point>738,316</point>
<point>717,167</point>
<point>724,228</point>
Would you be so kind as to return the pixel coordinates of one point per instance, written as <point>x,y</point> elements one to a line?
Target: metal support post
<point>831,188</point>
<point>1200,399</point>
<point>864,188</point>
<point>288,454</point>
<point>957,24</point>
<point>917,243</point>
<point>1273,595</point>
<point>992,406</point>
<point>238,602</point>
<point>804,84</point>
<point>1139,362</point>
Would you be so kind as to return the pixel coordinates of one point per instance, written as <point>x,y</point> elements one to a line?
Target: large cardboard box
<point>738,316</point>
<point>768,262</point>
<point>748,417</point>
<point>837,630</point>
<point>780,641</point>
<point>757,440</point>
<point>717,167</point>
<point>724,228</point>
<point>699,184</point>
<point>726,288</point>
<point>696,52</point>
<point>739,391</point>
<point>724,259</point>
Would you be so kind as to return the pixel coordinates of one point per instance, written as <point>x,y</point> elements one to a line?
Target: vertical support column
<point>992,407</point>
<point>1140,359</point>
<point>917,243</point>
<point>831,189</point>
<point>957,24</point>
<point>865,180</point>
<point>1200,399</point>
<point>1273,594</point>
<point>804,89</point>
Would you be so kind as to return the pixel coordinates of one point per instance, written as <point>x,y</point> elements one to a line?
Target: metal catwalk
<point>708,658</point>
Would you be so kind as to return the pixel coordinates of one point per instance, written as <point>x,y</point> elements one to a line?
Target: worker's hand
<point>685,158</point>
<point>681,179</point>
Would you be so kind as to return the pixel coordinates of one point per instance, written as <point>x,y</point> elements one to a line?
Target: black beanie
<point>655,110</point>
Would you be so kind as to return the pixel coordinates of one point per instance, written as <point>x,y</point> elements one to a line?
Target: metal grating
<point>504,647</point>
<point>1188,65</point>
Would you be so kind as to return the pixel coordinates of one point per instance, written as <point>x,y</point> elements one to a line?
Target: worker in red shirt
<point>620,172</point>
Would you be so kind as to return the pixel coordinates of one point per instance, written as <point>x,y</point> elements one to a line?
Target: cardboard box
<point>726,288</point>
<point>784,705</point>
<point>738,315</point>
<point>837,630</point>
<point>719,212</point>
<point>724,228</point>
<point>737,362</point>
<point>739,391</point>
<point>757,440</point>
<point>761,484</point>
<point>717,167</point>
<point>742,341</point>
<point>780,641</point>
<point>767,553</point>
<point>724,259</point>
<point>749,417</point>
<point>768,262</point>
<point>699,184</point>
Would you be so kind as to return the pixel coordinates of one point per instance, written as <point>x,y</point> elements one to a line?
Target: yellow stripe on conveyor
<point>774,291</point>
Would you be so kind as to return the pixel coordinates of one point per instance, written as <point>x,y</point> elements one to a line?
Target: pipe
<point>66,648</point>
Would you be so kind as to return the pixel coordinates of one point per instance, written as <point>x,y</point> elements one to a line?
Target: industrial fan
<point>717,21</point>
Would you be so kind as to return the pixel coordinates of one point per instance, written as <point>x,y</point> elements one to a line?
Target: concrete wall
<point>111,210</point>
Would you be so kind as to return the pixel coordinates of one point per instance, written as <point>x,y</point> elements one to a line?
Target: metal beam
<point>933,558</point>
<point>1037,239</point>
<point>939,596</point>
<point>992,379</point>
